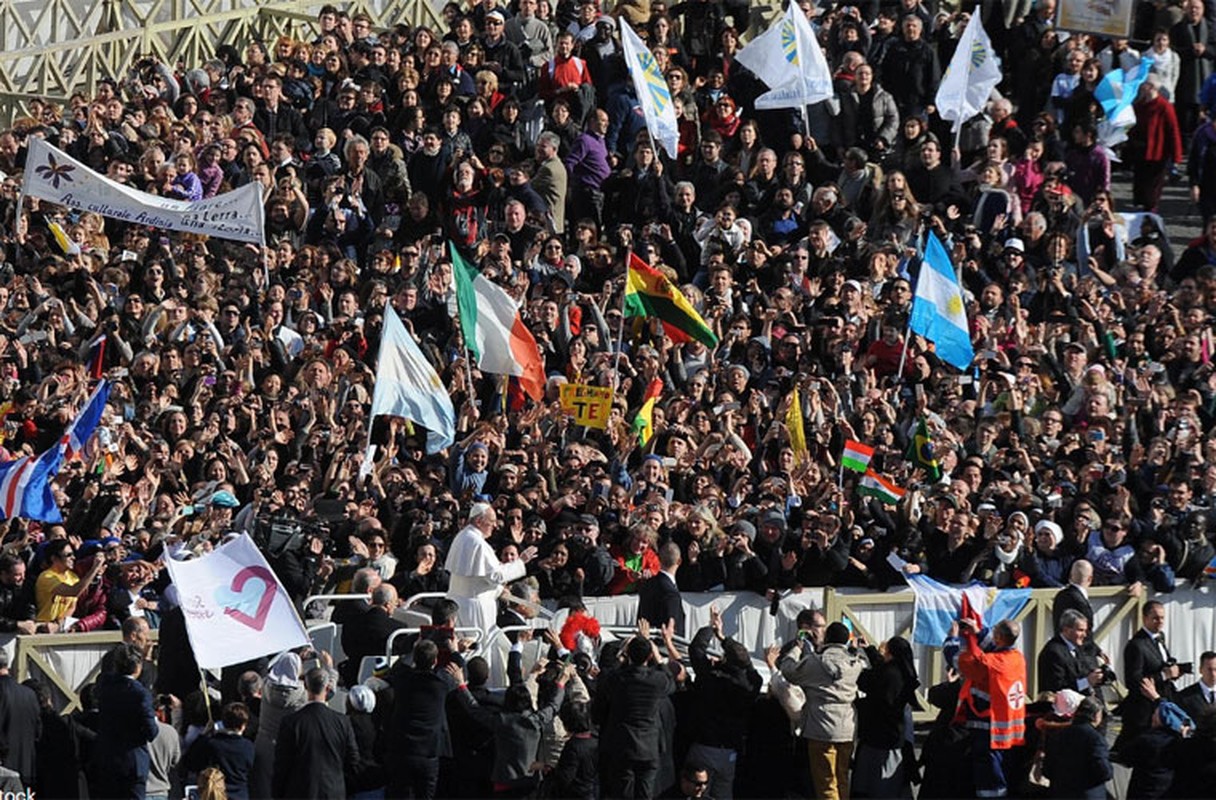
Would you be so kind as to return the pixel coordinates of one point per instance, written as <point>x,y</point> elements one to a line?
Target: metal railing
<point>53,49</point>
<point>1035,618</point>
<point>43,656</point>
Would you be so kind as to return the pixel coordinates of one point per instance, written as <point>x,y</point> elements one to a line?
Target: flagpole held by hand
<point>620,328</point>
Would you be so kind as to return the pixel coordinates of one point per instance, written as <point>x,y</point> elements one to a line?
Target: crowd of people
<point>1072,452</point>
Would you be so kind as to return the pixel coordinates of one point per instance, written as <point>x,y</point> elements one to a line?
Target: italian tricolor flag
<point>494,331</point>
<point>874,485</point>
<point>856,456</point>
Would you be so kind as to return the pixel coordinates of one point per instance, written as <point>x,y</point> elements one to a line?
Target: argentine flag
<point>653,94</point>
<point>937,309</point>
<point>407,386</point>
<point>938,606</point>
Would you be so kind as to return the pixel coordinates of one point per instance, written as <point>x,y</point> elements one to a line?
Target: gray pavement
<point>1181,216</point>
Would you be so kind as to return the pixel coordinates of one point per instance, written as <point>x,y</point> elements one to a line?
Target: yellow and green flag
<point>920,451</point>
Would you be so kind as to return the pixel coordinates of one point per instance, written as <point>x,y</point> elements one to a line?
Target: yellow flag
<point>793,422</point>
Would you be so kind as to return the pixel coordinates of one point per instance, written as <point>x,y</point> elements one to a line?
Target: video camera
<point>279,533</point>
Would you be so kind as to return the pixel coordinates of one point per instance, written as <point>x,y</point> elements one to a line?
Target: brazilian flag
<point>921,451</point>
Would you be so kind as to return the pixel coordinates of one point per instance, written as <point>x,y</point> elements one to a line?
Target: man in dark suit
<point>659,597</point>
<point>1146,656</point>
<point>418,725</point>
<point>626,706</point>
<point>126,724</point>
<point>1063,662</point>
<point>1075,596</point>
<point>136,631</point>
<point>1192,38</point>
<point>1201,695</point>
<point>20,722</point>
<point>367,634</point>
<point>316,748</point>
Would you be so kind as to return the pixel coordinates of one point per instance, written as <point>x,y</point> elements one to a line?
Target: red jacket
<point>621,581</point>
<point>1157,130</point>
<point>1000,678</point>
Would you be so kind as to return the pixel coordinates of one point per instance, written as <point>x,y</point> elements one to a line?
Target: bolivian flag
<point>648,293</point>
<point>643,423</point>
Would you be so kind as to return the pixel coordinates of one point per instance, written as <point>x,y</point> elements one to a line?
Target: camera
<point>1108,674</point>
<point>1184,667</point>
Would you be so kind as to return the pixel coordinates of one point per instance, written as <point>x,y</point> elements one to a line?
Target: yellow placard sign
<point>589,405</point>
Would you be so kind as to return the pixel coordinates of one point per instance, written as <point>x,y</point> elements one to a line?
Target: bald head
<point>1082,573</point>
<point>1006,632</point>
<point>385,596</point>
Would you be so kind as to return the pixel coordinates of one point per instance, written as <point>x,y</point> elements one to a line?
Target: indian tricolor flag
<point>494,331</point>
<point>874,485</point>
<point>856,456</point>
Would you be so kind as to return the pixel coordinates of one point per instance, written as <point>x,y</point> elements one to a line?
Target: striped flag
<point>494,330</point>
<point>643,423</point>
<point>77,434</point>
<point>648,293</point>
<point>793,423</point>
<point>939,605</point>
<point>874,485</point>
<point>97,357</point>
<point>25,487</point>
<point>856,456</point>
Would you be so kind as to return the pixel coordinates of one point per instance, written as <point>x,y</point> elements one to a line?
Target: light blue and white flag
<point>938,313</point>
<point>938,606</point>
<point>1117,89</point>
<point>788,58</point>
<point>1116,92</point>
<point>652,91</point>
<point>408,386</point>
<point>974,72</point>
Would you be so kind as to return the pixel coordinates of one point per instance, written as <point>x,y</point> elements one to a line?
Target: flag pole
<point>620,328</point>
<point>903,356</point>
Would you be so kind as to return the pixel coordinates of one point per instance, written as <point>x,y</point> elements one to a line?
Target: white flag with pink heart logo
<point>236,609</point>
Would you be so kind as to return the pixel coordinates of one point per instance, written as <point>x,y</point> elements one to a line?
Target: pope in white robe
<point>477,576</point>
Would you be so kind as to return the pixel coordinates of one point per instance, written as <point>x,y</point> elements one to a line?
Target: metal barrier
<point>55,48</point>
<point>66,662</point>
<point>476,634</point>
<point>1114,626</point>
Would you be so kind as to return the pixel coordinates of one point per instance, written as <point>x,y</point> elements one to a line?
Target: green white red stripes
<point>856,456</point>
<point>494,331</point>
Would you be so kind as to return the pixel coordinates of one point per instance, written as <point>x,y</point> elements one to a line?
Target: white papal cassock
<point>477,576</point>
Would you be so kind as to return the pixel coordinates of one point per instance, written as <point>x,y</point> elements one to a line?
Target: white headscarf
<point>284,670</point>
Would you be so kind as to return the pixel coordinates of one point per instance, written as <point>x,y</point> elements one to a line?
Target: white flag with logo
<point>974,72</point>
<point>788,58</point>
<point>235,607</point>
<point>652,91</point>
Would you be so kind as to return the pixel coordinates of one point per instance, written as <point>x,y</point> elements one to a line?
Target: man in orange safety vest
<point>995,709</point>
